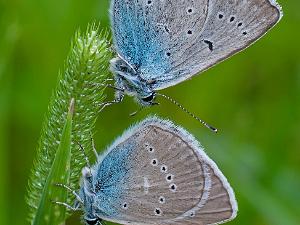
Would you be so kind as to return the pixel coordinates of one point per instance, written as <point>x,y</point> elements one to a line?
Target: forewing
<point>168,180</point>
<point>230,26</point>
<point>144,31</point>
<point>171,40</point>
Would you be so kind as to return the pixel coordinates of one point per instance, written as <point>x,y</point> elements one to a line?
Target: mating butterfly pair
<point>157,173</point>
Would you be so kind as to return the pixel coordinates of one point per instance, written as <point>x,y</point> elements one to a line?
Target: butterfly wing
<point>140,34</point>
<point>144,31</point>
<point>168,179</point>
<point>170,41</point>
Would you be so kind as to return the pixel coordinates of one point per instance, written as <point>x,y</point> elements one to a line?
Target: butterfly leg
<point>137,111</point>
<point>109,79</point>
<point>108,85</point>
<point>85,156</point>
<point>105,84</point>
<point>118,99</point>
<point>93,146</point>
<point>67,206</point>
<point>70,190</point>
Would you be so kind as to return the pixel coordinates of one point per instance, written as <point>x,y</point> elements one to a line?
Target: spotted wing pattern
<point>171,40</point>
<point>163,176</point>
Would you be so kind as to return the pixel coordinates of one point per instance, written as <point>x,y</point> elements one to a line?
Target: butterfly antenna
<point>188,112</point>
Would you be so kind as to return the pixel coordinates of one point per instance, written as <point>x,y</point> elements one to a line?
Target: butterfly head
<point>147,100</point>
<point>128,79</point>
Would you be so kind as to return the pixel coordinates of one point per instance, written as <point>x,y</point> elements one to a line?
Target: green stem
<point>86,66</point>
<point>59,174</point>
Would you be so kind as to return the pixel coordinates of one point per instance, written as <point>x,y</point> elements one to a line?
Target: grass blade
<point>48,212</point>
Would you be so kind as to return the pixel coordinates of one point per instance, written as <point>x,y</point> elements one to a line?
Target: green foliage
<point>48,213</point>
<point>252,98</point>
<point>86,66</point>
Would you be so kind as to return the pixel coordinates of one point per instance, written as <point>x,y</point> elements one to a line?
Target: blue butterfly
<point>160,43</point>
<point>155,173</point>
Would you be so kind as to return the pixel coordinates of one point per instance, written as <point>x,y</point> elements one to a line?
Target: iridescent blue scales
<point>156,173</point>
<point>160,43</point>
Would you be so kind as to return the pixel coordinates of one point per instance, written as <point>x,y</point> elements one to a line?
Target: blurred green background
<point>253,98</point>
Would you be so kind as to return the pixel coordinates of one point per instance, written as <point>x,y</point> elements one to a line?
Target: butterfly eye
<point>149,98</point>
<point>92,221</point>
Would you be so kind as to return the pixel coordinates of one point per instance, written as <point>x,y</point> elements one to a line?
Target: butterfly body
<point>156,173</point>
<point>161,43</point>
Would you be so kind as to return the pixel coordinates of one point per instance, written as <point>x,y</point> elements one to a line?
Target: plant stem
<point>86,66</point>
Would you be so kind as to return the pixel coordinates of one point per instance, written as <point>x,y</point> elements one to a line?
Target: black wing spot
<point>149,2</point>
<point>157,211</point>
<point>162,199</point>
<point>231,19</point>
<point>189,32</point>
<point>210,45</point>
<point>149,148</point>
<point>168,54</point>
<point>169,177</point>
<point>125,205</point>
<point>240,24</point>
<point>163,168</point>
<point>173,187</point>
<point>220,16</point>
<point>244,33</point>
<point>189,10</point>
<point>154,162</point>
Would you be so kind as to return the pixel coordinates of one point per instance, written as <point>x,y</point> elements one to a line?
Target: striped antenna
<point>188,112</point>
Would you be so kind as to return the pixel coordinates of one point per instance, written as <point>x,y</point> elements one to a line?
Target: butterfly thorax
<point>129,82</point>
<point>87,194</point>
<point>90,216</point>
